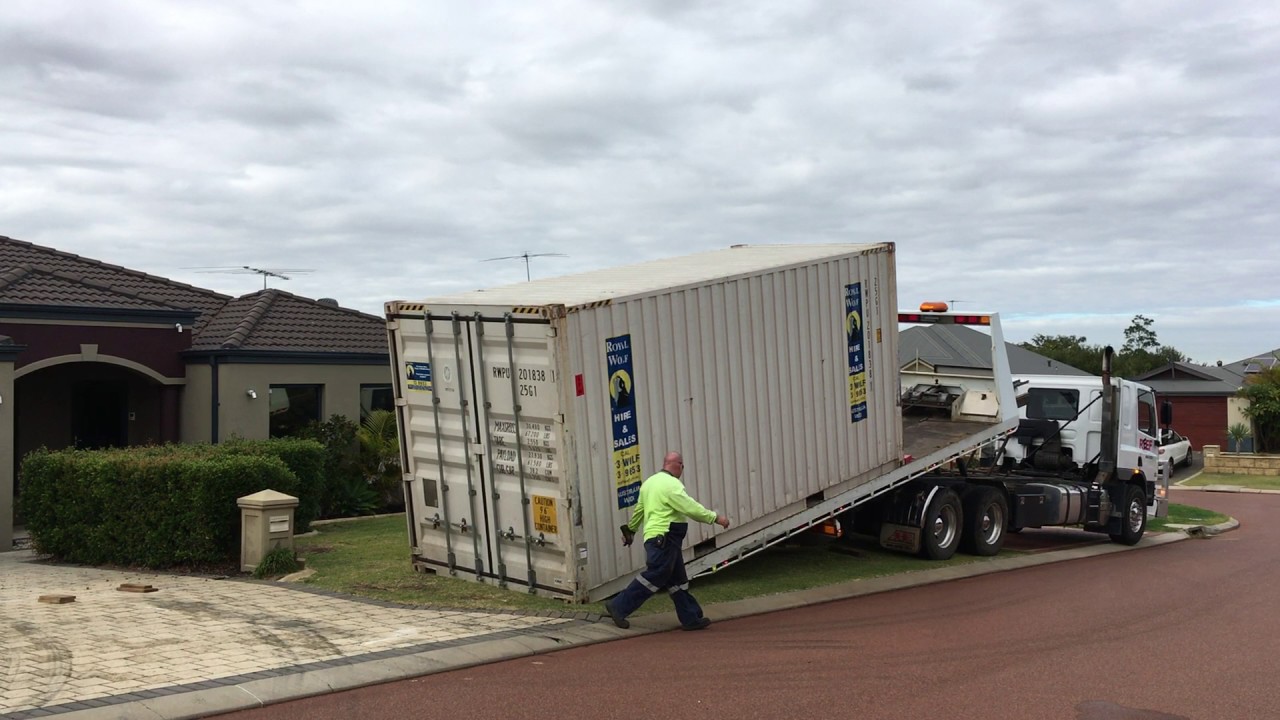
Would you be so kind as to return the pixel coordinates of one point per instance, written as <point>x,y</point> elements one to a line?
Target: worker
<point>662,509</point>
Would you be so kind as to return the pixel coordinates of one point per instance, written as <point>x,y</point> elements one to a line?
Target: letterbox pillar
<point>266,523</point>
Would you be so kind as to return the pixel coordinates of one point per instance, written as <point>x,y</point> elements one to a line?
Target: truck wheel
<point>1133,519</point>
<point>986,511</point>
<point>942,526</point>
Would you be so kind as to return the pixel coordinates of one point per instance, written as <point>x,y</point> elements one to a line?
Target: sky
<point>1067,164</point>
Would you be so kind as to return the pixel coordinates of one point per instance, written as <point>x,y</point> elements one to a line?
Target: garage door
<point>1202,419</point>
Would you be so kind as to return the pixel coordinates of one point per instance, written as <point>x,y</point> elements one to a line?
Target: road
<point>1188,630</point>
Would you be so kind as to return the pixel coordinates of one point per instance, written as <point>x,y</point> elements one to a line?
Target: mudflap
<point>900,537</point>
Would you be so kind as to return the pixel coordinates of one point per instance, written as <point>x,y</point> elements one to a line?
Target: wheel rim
<point>944,527</point>
<point>991,527</point>
<point>1136,515</point>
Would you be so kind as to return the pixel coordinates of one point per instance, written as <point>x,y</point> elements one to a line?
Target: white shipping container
<point>529,414</point>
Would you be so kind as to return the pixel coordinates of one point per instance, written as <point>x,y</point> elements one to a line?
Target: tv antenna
<point>952,303</point>
<point>525,257</point>
<point>282,273</point>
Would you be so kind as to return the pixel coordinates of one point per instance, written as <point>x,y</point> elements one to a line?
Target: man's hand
<point>627,535</point>
<point>723,521</point>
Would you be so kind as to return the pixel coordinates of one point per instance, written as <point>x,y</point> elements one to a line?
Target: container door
<point>521,455</point>
<point>440,414</point>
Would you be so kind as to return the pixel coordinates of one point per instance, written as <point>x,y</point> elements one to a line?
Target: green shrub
<point>342,467</point>
<point>306,458</point>
<point>280,561</point>
<point>149,507</point>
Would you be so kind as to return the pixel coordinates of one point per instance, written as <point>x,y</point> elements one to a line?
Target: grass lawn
<point>370,558</point>
<point>1256,482</point>
<point>1185,515</point>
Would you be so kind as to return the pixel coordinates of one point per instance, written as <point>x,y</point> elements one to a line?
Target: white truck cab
<point>1061,429</point>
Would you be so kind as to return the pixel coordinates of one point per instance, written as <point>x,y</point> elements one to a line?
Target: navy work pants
<point>664,570</point>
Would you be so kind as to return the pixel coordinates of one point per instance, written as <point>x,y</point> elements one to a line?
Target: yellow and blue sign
<point>418,375</point>
<point>857,352</point>
<point>622,409</point>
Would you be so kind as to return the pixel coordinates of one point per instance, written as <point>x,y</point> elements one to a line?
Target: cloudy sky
<point>1069,164</point>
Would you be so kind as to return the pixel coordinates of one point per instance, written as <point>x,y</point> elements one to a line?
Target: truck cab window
<point>1052,404</point>
<point>1147,414</point>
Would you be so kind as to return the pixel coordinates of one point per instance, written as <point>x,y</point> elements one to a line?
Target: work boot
<point>699,624</point>
<point>617,619</point>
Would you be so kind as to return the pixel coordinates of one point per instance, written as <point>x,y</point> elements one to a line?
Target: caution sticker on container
<point>545,519</point>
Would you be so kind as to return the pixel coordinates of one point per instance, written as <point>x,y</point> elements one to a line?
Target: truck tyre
<point>942,527</point>
<point>1133,517</point>
<point>986,512</point>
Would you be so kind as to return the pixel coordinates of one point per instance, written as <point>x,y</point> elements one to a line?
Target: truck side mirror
<point>1166,413</point>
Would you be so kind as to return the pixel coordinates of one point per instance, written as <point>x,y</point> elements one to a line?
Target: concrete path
<point>198,647</point>
<point>109,648</point>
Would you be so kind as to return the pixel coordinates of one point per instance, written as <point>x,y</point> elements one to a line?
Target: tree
<point>1263,393</point>
<point>1070,350</point>
<point>1142,351</point>
<point>1140,336</point>
<point>1140,354</point>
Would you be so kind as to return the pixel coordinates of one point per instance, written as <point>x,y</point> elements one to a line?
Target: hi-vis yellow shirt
<point>662,502</point>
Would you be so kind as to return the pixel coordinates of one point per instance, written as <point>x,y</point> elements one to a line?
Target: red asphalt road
<point>1189,630</point>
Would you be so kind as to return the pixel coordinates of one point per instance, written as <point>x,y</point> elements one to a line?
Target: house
<point>96,355</point>
<point>936,354</point>
<point>1204,396</point>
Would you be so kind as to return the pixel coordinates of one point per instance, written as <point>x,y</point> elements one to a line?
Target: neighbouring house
<point>1204,396</point>
<point>936,354</point>
<point>95,355</point>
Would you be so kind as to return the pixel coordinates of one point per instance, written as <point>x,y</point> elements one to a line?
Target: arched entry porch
<point>67,402</point>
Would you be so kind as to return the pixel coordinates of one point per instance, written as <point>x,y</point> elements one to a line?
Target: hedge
<point>159,506</point>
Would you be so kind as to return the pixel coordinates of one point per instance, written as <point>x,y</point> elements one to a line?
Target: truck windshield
<point>1052,404</point>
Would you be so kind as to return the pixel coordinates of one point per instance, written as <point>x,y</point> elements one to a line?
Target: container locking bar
<point>444,486</point>
<point>515,405</point>
<point>483,387</point>
<point>466,441</point>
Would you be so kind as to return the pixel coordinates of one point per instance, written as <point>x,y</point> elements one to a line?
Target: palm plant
<point>380,453</point>
<point>1238,432</point>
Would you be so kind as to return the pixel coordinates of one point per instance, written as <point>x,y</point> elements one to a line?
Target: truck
<point>529,415</point>
<point>1061,429</point>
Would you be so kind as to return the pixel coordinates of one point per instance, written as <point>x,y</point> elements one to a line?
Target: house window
<point>1052,404</point>
<point>293,407</point>
<point>375,397</point>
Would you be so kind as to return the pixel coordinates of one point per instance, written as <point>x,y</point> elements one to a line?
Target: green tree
<point>1263,393</point>
<point>1142,351</point>
<point>1072,350</point>
<point>1140,354</point>
<point>1140,335</point>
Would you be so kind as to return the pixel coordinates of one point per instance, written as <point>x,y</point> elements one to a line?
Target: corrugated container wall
<point>530,414</point>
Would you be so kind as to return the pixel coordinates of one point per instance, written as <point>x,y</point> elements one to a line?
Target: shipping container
<point>530,414</point>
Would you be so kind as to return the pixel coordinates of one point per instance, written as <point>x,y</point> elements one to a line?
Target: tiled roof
<point>27,285</point>
<point>280,321</point>
<point>269,320</point>
<point>123,281</point>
